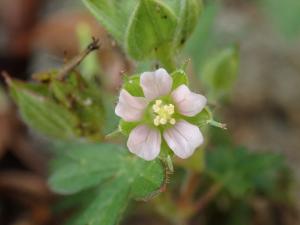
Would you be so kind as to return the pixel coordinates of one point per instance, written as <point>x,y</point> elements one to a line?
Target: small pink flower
<point>161,113</point>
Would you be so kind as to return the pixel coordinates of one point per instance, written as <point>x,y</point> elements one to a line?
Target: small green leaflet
<point>113,171</point>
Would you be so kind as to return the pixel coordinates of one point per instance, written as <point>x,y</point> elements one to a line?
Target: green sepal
<point>201,119</point>
<point>179,78</point>
<point>165,151</point>
<point>127,127</point>
<point>132,85</point>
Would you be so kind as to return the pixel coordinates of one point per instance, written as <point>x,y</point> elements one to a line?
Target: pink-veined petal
<point>156,84</point>
<point>188,103</point>
<point>183,138</point>
<point>130,108</point>
<point>144,142</point>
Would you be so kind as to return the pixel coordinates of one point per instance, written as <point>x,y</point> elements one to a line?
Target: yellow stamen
<point>158,102</point>
<point>156,108</point>
<point>156,121</point>
<point>172,121</point>
<point>163,121</point>
<point>163,113</point>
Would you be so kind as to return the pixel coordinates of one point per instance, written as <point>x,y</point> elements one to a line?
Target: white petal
<point>130,108</point>
<point>156,84</point>
<point>188,103</point>
<point>144,142</point>
<point>183,138</point>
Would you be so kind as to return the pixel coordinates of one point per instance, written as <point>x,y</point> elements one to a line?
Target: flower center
<point>163,113</point>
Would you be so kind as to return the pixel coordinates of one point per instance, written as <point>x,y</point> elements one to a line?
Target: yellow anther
<point>156,121</point>
<point>172,121</point>
<point>156,108</point>
<point>170,109</point>
<point>158,102</point>
<point>163,113</point>
<point>163,121</point>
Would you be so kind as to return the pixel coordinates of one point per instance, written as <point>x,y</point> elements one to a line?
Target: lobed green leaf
<point>107,207</point>
<point>87,165</point>
<point>242,172</point>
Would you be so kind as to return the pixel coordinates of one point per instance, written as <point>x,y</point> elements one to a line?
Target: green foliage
<point>217,69</point>
<point>62,109</point>
<point>102,179</point>
<point>203,41</point>
<point>190,11</point>
<point>241,172</point>
<point>113,14</point>
<point>220,71</point>
<point>90,67</point>
<point>43,114</point>
<point>111,120</point>
<point>195,163</point>
<point>107,207</point>
<point>89,109</point>
<point>117,176</point>
<point>285,16</point>
<point>151,29</point>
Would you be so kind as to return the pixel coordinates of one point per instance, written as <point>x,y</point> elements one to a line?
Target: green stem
<point>217,124</point>
<point>112,134</point>
<point>170,164</point>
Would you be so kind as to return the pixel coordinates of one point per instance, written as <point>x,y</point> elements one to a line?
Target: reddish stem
<point>188,190</point>
<point>207,197</point>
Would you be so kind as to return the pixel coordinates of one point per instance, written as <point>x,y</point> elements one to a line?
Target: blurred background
<point>262,113</point>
